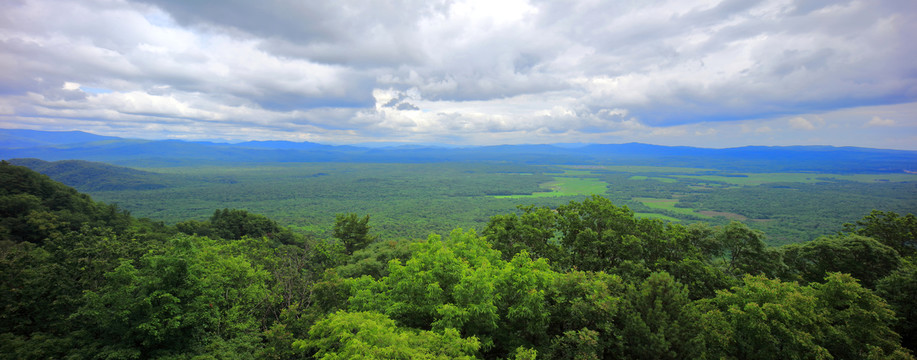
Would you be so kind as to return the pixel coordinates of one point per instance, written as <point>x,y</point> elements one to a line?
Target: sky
<point>466,72</point>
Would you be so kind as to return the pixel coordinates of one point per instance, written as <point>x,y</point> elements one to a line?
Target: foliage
<point>771,319</point>
<point>898,232</point>
<point>186,299</point>
<point>409,200</point>
<point>659,322</point>
<point>352,231</point>
<point>95,176</point>
<point>584,307</point>
<point>585,280</point>
<point>369,335</point>
<point>234,224</point>
<point>859,321</point>
<point>533,231</point>
<point>461,283</point>
<point>597,234</point>
<point>864,258</point>
<point>899,289</point>
<point>793,212</point>
<point>373,260</point>
<point>33,207</point>
<point>748,253</point>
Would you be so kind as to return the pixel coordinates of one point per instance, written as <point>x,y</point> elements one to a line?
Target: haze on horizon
<point>466,72</point>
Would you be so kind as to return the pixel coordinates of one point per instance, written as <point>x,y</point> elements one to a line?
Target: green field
<point>567,185</point>
<point>657,216</point>
<point>669,205</point>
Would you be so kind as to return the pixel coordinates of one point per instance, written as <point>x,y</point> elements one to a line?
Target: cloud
<point>801,123</point>
<point>878,121</point>
<point>454,70</point>
<point>706,132</point>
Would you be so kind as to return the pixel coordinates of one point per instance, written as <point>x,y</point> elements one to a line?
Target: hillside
<point>95,176</point>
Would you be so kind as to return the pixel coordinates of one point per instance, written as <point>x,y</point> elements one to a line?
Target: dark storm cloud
<point>339,32</point>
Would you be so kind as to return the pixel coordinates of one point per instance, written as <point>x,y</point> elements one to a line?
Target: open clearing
<point>657,216</point>
<point>569,184</point>
<point>669,204</point>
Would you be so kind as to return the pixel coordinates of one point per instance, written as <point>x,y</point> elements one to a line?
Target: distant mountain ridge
<point>94,176</point>
<point>51,146</point>
<point>18,138</point>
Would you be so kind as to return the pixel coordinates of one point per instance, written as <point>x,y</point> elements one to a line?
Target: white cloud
<point>460,71</point>
<point>878,121</point>
<point>706,132</point>
<point>801,123</point>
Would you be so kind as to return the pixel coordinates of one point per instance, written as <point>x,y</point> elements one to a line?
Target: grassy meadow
<point>570,183</point>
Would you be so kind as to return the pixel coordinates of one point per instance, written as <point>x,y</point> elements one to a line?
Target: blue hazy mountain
<point>52,146</point>
<point>95,176</point>
<point>15,138</point>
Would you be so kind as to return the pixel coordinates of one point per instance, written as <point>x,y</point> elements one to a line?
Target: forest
<point>414,199</point>
<point>586,279</point>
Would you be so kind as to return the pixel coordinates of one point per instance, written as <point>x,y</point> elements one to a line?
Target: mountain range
<point>73,145</point>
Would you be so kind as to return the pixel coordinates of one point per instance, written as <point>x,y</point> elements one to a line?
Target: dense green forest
<point>409,200</point>
<point>586,279</point>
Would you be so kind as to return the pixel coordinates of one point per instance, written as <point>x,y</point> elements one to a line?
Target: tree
<point>583,344</point>
<point>233,224</point>
<point>33,207</point>
<point>461,283</point>
<point>658,322</point>
<point>352,231</point>
<point>898,232</point>
<point>748,254</point>
<point>521,299</point>
<point>373,260</point>
<point>584,308</point>
<point>532,231</point>
<point>597,234</point>
<point>194,297</point>
<point>35,300</point>
<point>899,289</point>
<point>762,319</point>
<point>859,321</point>
<point>864,258</point>
<point>371,335</point>
<point>772,319</point>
